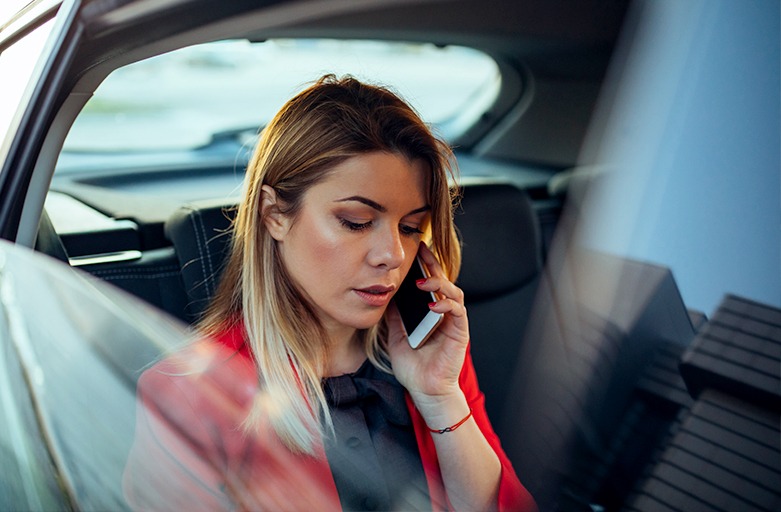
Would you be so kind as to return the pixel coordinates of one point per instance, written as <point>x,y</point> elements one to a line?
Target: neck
<point>345,354</point>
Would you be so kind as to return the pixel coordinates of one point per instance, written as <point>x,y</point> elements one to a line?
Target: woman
<point>310,396</point>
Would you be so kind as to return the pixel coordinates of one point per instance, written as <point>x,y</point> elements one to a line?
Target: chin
<point>365,322</point>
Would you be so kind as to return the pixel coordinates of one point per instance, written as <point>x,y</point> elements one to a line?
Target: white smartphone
<point>412,302</point>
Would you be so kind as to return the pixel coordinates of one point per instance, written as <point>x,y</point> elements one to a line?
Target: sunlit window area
<point>185,98</point>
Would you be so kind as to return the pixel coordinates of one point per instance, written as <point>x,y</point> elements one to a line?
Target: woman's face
<point>355,237</point>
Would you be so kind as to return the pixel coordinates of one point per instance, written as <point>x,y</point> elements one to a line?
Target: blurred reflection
<point>669,127</point>
<point>190,452</point>
<point>689,127</point>
<point>80,346</point>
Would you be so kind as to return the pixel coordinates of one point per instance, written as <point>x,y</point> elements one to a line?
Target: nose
<point>387,250</point>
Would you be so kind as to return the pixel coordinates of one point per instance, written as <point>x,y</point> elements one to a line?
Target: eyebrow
<point>377,206</point>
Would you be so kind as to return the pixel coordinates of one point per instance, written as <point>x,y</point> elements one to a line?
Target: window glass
<point>67,383</point>
<point>29,479</point>
<point>183,98</point>
<point>17,64</point>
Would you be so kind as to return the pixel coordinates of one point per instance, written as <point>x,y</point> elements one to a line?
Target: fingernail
<point>421,281</point>
<point>432,304</point>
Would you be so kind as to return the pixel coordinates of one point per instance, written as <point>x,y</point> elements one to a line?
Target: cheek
<point>323,238</point>
<point>323,245</point>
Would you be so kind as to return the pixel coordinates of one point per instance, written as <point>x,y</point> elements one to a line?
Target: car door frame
<point>40,102</point>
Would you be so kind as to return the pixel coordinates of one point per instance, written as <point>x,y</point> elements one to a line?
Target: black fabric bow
<point>366,387</point>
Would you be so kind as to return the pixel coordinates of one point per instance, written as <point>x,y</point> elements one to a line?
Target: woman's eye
<point>409,230</point>
<point>355,226</point>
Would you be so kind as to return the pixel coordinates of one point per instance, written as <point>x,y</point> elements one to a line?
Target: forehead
<point>382,177</point>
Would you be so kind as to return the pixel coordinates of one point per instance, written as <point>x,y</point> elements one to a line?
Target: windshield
<point>182,99</point>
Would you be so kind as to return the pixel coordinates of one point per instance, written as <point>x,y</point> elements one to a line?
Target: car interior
<point>587,396</point>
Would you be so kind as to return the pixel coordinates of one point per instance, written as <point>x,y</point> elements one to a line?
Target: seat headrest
<point>501,239</point>
<point>201,234</point>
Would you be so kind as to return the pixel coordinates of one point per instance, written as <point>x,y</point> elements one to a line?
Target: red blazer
<point>191,453</point>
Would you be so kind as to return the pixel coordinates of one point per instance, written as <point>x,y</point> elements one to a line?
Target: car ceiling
<point>560,37</point>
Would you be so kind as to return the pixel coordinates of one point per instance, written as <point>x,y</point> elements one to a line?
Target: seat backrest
<point>499,276</point>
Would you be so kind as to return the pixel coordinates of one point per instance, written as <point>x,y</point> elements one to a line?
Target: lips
<point>375,296</point>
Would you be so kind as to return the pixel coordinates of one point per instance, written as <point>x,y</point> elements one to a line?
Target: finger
<point>449,306</point>
<point>442,287</point>
<point>433,266</point>
<point>457,325</point>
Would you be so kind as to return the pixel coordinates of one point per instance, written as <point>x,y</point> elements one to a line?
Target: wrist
<point>452,427</point>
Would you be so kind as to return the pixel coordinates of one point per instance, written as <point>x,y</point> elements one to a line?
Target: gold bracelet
<point>451,427</point>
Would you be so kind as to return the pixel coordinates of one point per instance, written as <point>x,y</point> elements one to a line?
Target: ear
<point>276,222</point>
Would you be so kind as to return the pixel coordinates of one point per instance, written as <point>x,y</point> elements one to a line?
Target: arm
<point>470,468</point>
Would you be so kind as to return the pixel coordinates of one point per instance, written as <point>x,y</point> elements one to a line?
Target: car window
<point>185,98</point>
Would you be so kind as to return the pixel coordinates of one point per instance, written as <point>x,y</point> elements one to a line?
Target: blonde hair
<point>324,125</point>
